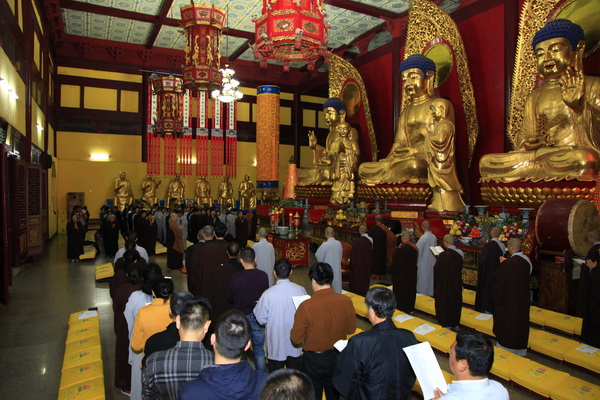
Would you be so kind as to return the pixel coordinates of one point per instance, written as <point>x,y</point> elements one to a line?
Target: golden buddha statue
<point>344,155</point>
<point>560,136</point>
<point>175,191</point>
<point>406,160</point>
<point>225,196</point>
<point>203,192</point>
<point>149,190</point>
<point>334,110</point>
<point>123,192</point>
<point>441,170</point>
<point>247,194</point>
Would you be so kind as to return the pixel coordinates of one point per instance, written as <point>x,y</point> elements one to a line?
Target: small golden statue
<point>247,194</point>
<point>225,196</point>
<point>149,191</point>
<point>175,191</point>
<point>344,155</point>
<point>406,161</point>
<point>321,173</point>
<point>441,170</point>
<point>123,192</point>
<point>560,136</point>
<point>203,192</point>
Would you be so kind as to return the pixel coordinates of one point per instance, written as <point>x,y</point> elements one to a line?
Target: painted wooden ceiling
<point>154,23</point>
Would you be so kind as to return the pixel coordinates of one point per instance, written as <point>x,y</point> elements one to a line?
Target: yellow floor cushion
<point>81,333</point>
<point>425,304</point>
<point>348,294</point>
<point>425,330</point>
<point>468,297</point>
<point>77,359</point>
<point>537,377</point>
<point>93,322</point>
<point>359,305</point>
<point>575,389</point>
<point>408,322</point>
<point>550,344</point>
<point>81,374</point>
<point>78,316</point>
<point>565,323</point>
<point>88,390</point>
<point>104,271</point>
<point>539,316</point>
<point>83,344</point>
<point>584,359</point>
<point>356,332</point>
<point>441,339</point>
<point>89,252</point>
<point>479,321</point>
<point>505,361</point>
<point>160,249</point>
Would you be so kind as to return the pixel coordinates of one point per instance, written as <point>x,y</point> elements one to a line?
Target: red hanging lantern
<point>203,25</point>
<point>291,30</point>
<point>169,119</point>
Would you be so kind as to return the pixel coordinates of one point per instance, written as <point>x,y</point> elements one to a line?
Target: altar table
<point>294,250</point>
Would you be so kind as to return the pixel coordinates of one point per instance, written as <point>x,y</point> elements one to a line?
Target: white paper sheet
<point>299,299</point>
<point>403,318</point>
<point>426,368</point>
<point>345,291</point>
<point>588,349</point>
<point>88,314</point>
<point>424,329</point>
<point>340,345</point>
<point>436,250</point>
<point>484,316</point>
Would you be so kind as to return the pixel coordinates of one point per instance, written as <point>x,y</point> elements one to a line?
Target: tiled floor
<point>34,325</point>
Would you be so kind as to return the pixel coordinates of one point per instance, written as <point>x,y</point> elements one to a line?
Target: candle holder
<point>296,223</point>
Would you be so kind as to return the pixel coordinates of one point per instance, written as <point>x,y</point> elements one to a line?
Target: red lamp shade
<point>169,120</point>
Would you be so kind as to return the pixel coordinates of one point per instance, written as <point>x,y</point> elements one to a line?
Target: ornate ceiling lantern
<point>203,24</point>
<point>169,101</point>
<point>291,30</point>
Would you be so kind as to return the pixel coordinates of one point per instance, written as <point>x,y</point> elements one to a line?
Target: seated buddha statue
<point>406,161</point>
<point>334,110</point>
<point>560,137</point>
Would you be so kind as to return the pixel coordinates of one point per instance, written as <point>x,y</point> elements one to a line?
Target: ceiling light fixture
<point>229,92</point>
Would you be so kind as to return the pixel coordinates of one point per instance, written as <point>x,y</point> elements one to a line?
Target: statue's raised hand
<point>572,85</point>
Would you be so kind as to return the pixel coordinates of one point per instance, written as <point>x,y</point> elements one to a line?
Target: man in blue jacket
<point>230,378</point>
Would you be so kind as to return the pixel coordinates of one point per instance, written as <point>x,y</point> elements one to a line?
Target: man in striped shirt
<point>166,371</point>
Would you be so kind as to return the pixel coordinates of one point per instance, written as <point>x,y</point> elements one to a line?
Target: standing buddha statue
<point>175,191</point>
<point>149,191</point>
<point>560,136</point>
<point>123,192</point>
<point>225,195</point>
<point>247,194</point>
<point>203,192</point>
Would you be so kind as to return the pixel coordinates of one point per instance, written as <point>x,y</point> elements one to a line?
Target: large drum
<point>563,224</point>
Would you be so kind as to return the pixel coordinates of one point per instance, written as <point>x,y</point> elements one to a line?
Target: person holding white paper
<point>471,358</point>
<point>276,309</point>
<point>331,252</point>
<point>372,366</point>
<point>426,260</point>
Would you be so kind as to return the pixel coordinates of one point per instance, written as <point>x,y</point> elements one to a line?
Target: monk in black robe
<point>447,284</point>
<point>589,293</point>
<point>511,300</point>
<point>252,220</point>
<point>193,256</point>
<point>241,230</point>
<point>75,238</point>
<point>382,237</point>
<point>214,259</point>
<point>489,261</point>
<point>109,231</point>
<point>142,228</point>
<point>152,236</point>
<point>404,274</point>
<point>360,262</point>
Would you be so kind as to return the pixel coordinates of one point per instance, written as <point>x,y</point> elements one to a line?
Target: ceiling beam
<point>166,6</point>
<point>241,50</point>
<point>362,8</point>
<point>151,19</point>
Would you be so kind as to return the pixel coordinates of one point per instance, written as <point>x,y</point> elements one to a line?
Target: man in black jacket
<point>373,365</point>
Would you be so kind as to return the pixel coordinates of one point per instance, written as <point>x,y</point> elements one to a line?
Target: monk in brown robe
<point>174,246</point>
<point>214,258</point>
<point>360,262</point>
<point>589,289</point>
<point>192,259</point>
<point>384,243</point>
<point>404,274</point>
<point>241,230</point>
<point>447,284</point>
<point>489,261</point>
<point>511,300</point>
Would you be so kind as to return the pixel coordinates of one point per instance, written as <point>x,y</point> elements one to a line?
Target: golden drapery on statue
<point>175,191</point>
<point>560,135</point>
<point>123,192</point>
<point>247,193</point>
<point>202,192</point>
<point>225,195</point>
<point>344,161</point>
<point>149,191</point>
